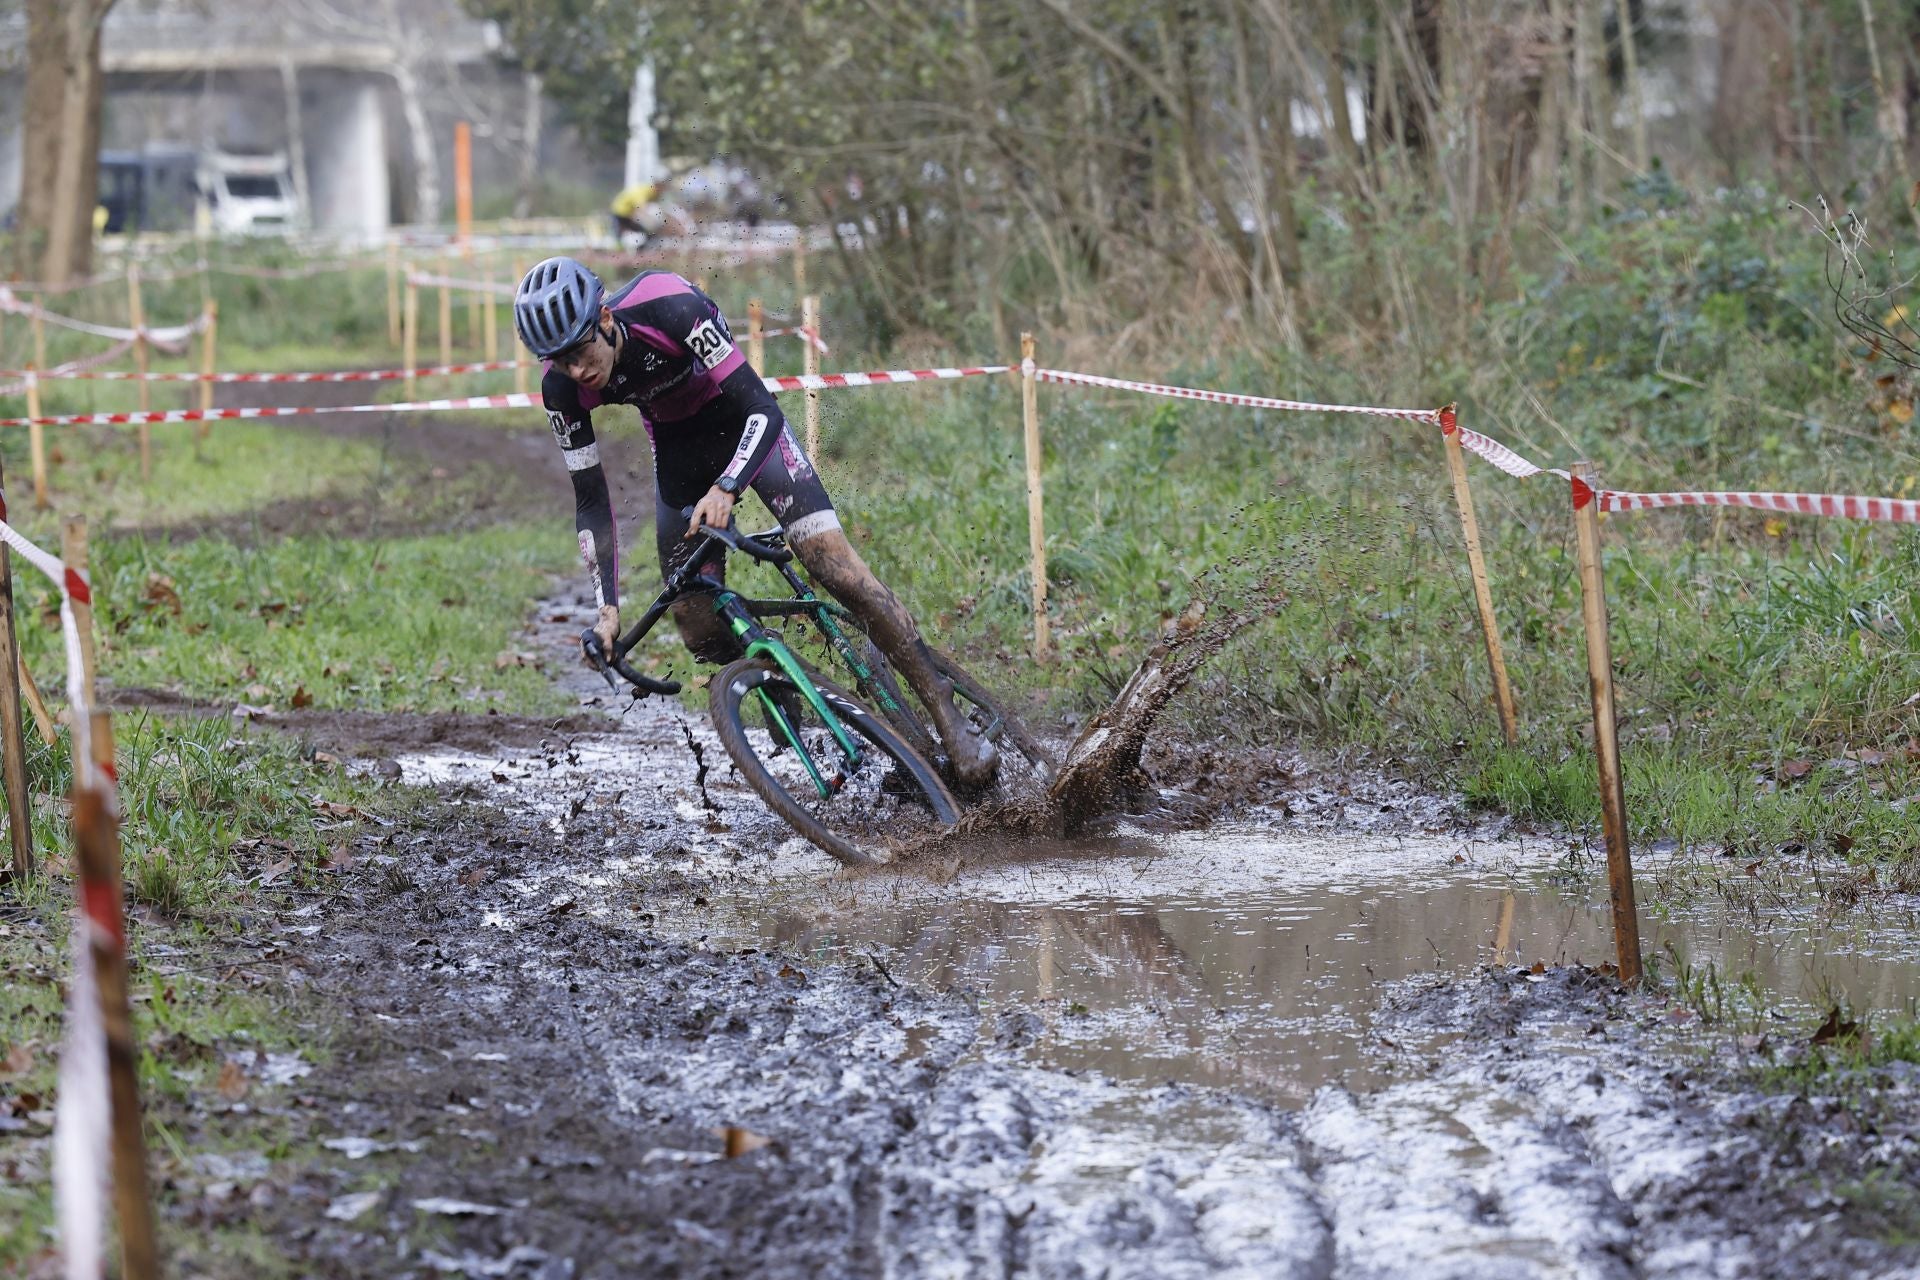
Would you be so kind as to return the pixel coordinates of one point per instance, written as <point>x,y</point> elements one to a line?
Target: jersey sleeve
<point>593,519</point>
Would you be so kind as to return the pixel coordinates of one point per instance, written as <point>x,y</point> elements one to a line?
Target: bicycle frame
<point>740,614</point>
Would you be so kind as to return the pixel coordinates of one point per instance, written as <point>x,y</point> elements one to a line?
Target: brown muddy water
<point>1252,955</point>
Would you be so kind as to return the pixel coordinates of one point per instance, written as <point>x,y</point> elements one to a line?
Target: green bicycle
<point>850,779</point>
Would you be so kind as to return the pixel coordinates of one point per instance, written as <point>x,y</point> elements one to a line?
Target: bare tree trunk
<point>530,127</point>
<point>1579,120</point>
<point>1268,255</point>
<point>296,139</point>
<point>1637,108</point>
<point>1554,105</point>
<point>1892,117</point>
<point>426,159</point>
<point>62,127</point>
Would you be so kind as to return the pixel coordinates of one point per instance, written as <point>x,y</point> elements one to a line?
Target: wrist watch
<point>729,485</point>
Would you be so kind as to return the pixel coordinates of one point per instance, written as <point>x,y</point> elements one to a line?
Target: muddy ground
<point>541,1048</point>
<point>535,1062</point>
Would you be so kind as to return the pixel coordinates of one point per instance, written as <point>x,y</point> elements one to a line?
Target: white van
<point>248,194</point>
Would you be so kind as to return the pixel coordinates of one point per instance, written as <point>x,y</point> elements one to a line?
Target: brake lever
<point>597,656</point>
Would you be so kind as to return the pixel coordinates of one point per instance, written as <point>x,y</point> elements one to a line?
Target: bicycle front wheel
<point>861,809</point>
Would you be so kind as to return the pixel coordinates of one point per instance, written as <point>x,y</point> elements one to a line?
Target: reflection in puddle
<point>1254,958</point>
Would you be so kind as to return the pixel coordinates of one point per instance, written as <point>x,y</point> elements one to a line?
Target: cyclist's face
<point>591,362</point>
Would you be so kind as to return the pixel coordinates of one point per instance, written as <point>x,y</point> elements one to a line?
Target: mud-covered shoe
<point>972,758</point>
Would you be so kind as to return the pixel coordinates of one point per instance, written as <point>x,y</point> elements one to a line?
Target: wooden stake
<point>37,434</point>
<point>37,440</point>
<point>209,362</point>
<point>810,363</point>
<point>756,336</point>
<point>13,733</point>
<point>446,318</point>
<point>1606,742</point>
<point>1482,592</point>
<point>520,361</point>
<point>1036,506</point>
<point>42,718</point>
<point>393,292</point>
<point>489,320</point>
<point>137,321</point>
<point>410,342</point>
<point>96,840</point>
<point>800,262</point>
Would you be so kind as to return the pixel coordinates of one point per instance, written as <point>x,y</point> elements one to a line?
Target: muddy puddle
<point>1253,958</point>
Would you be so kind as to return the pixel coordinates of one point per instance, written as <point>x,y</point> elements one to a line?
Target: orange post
<point>463,185</point>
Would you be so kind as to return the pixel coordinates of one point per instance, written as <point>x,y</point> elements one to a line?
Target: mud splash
<point>1103,764</point>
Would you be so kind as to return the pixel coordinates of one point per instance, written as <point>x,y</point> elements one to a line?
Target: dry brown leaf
<point>19,1060</point>
<point>301,698</point>
<point>233,1083</point>
<point>738,1141</point>
<point>275,871</point>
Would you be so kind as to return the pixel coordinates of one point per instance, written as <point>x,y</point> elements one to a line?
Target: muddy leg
<point>833,562</point>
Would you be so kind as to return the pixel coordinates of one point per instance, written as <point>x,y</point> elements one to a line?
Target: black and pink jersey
<point>705,409</point>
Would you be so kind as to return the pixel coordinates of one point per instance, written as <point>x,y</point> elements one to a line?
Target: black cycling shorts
<point>687,458</point>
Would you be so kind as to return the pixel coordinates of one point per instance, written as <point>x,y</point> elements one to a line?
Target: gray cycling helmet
<point>556,306</point>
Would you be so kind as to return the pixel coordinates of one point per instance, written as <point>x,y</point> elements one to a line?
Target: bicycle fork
<point>759,644</point>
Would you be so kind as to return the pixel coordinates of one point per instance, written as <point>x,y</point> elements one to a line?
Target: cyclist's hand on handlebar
<point>713,511</point>
<point>607,628</point>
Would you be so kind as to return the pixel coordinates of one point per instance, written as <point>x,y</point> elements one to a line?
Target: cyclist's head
<point>557,306</point>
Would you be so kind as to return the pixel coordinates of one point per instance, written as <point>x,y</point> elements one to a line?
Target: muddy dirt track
<point>545,1043</point>
<point>595,1016</point>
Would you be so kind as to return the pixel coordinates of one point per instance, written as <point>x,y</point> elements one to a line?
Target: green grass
<point>407,624</point>
<point>208,820</point>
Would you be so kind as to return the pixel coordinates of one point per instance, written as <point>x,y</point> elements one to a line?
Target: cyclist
<point>661,345</point>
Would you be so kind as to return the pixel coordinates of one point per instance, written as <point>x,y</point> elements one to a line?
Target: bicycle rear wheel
<point>861,811</point>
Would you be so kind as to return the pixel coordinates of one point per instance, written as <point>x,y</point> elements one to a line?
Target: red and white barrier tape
<point>1845,506</point>
<point>71,369</point>
<point>798,331</point>
<point>879,377</point>
<point>513,400</point>
<point>354,375</point>
<point>424,281</point>
<point>83,1110</point>
<point>1223,397</point>
<point>172,338</point>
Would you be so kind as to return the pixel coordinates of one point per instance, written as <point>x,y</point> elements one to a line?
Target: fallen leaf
<point>339,858</point>
<point>1901,411</point>
<point>1796,769</point>
<point>301,698</point>
<point>275,871</point>
<point>1843,843</point>
<point>1539,967</point>
<point>476,877</point>
<point>233,1083</point>
<point>1774,526</point>
<point>1837,1029</point>
<point>160,594</point>
<point>258,692</point>
<point>737,1141</point>
<point>19,1060</point>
